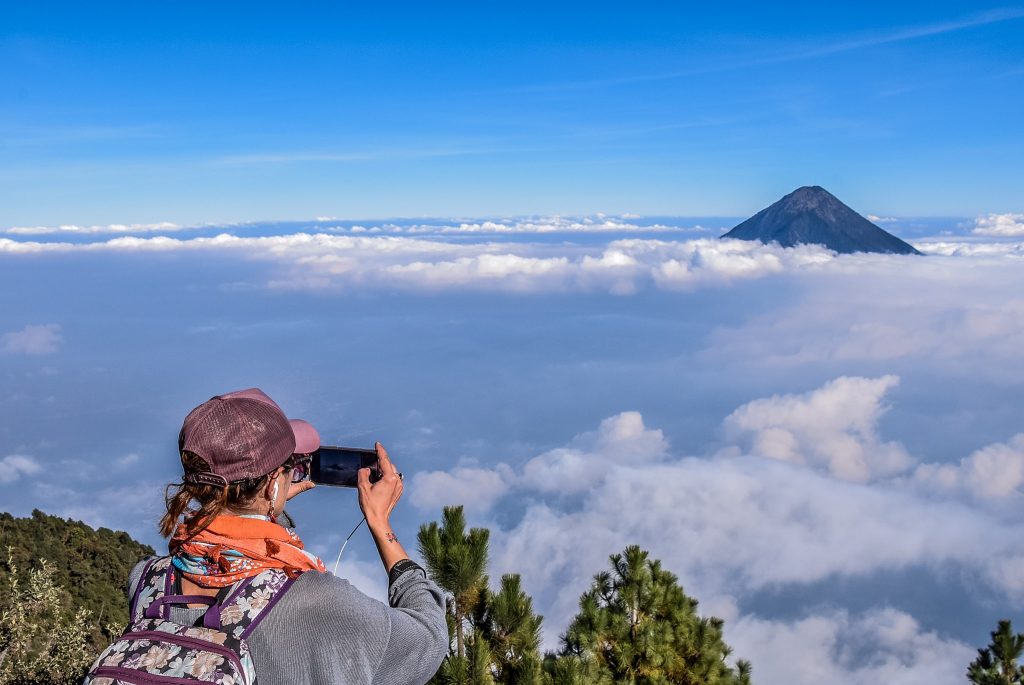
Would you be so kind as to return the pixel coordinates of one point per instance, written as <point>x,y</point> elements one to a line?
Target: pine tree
<point>513,632</point>
<point>998,664</point>
<point>497,635</point>
<point>472,669</point>
<point>456,561</point>
<point>637,626</point>
<point>572,670</point>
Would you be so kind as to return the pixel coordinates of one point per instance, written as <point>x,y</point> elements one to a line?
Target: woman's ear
<point>272,479</point>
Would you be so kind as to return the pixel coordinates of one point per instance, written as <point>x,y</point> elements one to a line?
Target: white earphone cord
<point>336,561</point>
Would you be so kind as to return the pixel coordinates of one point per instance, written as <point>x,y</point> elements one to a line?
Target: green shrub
<point>41,639</point>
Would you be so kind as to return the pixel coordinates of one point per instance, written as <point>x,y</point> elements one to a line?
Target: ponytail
<point>176,505</point>
<point>213,500</point>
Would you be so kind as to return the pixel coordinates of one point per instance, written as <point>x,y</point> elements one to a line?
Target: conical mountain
<point>812,215</point>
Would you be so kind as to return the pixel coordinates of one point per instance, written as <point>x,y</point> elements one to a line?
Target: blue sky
<point>489,238</point>
<point>195,113</point>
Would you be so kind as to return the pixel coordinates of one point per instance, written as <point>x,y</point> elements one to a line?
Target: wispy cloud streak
<point>300,156</point>
<point>838,46</point>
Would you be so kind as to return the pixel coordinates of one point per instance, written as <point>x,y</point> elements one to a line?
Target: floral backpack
<point>153,650</point>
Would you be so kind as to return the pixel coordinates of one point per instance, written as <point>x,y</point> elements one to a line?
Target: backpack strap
<point>265,611</point>
<point>154,582</point>
<point>212,617</point>
<point>161,606</point>
<point>139,584</point>
<point>249,604</point>
<point>246,605</point>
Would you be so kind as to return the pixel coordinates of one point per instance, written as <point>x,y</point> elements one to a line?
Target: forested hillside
<point>90,566</point>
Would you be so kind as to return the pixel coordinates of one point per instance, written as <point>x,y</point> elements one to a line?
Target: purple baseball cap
<point>243,434</point>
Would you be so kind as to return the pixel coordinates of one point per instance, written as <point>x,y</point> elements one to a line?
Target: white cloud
<point>621,266</point>
<point>598,223</point>
<point>992,472</point>
<point>476,488</point>
<point>620,440</point>
<point>834,427</point>
<point>733,526</point>
<point>127,460</point>
<point>510,272</point>
<point>32,339</point>
<point>14,466</point>
<point>418,258</point>
<point>72,229</point>
<point>967,248</point>
<point>683,265</point>
<point>874,218</point>
<point>1000,225</point>
<point>963,316</point>
<point>877,646</point>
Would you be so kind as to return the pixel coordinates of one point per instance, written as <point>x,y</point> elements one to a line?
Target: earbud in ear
<point>273,499</point>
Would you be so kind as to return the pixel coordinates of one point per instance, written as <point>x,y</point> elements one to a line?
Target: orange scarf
<point>233,547</point>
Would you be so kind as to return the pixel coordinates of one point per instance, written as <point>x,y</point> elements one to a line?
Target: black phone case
<point>338,466</point>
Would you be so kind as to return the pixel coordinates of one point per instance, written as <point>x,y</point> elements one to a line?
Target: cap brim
<point>307,439</point>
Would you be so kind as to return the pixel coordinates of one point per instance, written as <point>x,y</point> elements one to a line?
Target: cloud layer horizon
<point>827,450</point>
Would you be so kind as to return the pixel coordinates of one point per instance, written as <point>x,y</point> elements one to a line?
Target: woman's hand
<point>377,500</point>
<point>296,488</point>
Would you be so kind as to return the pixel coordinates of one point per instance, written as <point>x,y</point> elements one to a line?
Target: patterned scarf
<point>235,547</point>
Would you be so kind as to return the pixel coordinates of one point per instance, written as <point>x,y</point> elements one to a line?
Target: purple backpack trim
<point>153,650</point>
<point>242,605</point>
<point>139,586</point>
<point>270,605</point>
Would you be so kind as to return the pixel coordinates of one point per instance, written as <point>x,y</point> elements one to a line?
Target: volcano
<point>813,216</point>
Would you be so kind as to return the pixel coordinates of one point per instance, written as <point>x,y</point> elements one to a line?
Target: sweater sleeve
<point>418,633</point>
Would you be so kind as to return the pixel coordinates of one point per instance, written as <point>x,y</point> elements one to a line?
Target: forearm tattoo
<point>391,537</point>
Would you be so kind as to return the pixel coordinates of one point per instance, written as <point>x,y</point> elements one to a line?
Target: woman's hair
<point>212,500</point>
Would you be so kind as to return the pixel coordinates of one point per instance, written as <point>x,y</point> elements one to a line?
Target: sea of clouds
<point>827,449</point>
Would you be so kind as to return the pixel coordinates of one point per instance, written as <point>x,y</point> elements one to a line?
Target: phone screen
<point>340,465</point>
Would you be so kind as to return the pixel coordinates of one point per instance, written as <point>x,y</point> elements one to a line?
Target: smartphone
<point>339,466</point>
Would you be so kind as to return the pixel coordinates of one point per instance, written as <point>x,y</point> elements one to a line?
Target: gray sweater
<point>324,631</point>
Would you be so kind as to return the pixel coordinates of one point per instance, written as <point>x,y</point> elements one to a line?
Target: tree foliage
<point>41,640</point>
<point>637,626</point>
<point>568,669</point>
<point>457,561</point>
<point>496,634</point>
<point>89,567</point>
<point>999,663</point>
<point>512,630</point>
